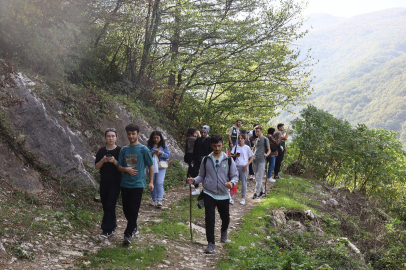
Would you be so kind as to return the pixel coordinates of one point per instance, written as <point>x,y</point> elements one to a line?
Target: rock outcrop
<point>46,133</point>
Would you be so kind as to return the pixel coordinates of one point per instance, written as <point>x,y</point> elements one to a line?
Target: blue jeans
<point>158,193</point>
<point>271,161</point>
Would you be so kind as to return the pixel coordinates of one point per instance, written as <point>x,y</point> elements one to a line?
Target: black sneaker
<point>104,234</point>
<point>135,232</point>
<point>262,194</point>
<point>210,248</point>
<point>255,196</point>
<point>224,236</point>
<point>111,233</point>
<point>127,239</point>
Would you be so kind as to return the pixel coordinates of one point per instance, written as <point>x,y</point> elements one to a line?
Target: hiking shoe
<point>196,192</point>
<point>271,180</point>
<point>127,239</point>
<point>242,202</point>
<point>255,196</point>
<point>159,204</point>
<point>223,237</point>
<point>262,194</point>
<point>135,232</point>
<point>231,201</point>
<point>104,234</point>
<point>276,177</point>
<point>153,203</point>
<point>210,248</point>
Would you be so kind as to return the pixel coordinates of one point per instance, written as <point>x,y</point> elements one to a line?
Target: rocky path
<point>54,251</point>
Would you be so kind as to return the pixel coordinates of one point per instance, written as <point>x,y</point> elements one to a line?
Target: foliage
<point>259,245</point>
<point>361,71</point>
<point>371,161</point>
<point>197,62</point>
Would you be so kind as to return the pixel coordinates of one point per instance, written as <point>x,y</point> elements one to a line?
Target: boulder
<point>278,217</point>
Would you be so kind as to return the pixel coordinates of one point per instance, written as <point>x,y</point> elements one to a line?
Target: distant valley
<point>361,73</point>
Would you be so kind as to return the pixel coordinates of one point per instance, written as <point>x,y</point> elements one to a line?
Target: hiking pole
<point>266,174</point>
<point>190,222</point>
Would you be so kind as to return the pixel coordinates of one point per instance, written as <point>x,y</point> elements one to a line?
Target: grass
<point>258,245</point>
<point>138,257</point>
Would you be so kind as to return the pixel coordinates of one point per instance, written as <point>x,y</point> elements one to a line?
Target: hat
<point>243,131</point>
<point>206,128</point>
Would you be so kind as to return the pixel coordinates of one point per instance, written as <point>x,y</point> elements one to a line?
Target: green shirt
<point>143,159</point>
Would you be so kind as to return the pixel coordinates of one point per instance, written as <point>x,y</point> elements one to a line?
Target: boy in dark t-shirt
<point>132,159</point>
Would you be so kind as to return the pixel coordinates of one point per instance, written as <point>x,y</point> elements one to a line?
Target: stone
<point>297,226</point>
<point>166,262</point>
<point>333,201</point>
<point>241,247</point>
<point>278,216</point>
<point>3,251</point>
<point>334,190</point>
<point>309,214</point>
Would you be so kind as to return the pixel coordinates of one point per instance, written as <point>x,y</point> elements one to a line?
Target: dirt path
<point>60,252</point>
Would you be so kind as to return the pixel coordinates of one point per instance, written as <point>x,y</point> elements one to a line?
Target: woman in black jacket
<point>200,150</point>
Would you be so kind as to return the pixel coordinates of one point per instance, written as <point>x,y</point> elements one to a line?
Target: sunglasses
<point>110,129</point>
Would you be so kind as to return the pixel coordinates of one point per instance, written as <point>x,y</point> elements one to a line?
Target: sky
<point>349,8</point>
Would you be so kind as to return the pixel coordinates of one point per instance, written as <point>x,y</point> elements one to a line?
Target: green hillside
<point>361,73</point>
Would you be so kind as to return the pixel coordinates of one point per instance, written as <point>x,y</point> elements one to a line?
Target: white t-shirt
<point>245,154</point>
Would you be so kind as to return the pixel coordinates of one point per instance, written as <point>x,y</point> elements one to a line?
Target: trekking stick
<point>266,173</point>
<point>190,222</point>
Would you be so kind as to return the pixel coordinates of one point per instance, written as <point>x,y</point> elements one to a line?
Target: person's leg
<point>133,199</point>
<point>154,193</point>
<point>112,196</point>
<point>251,169</point>
<point>278,162</point>
<point>104,190</point>
<point>209,206</point>
<point>223,208</point>
<point>283,155</point>
<point>259,169</point>
<point>243,179</point>
<point>196,168</point>
<point>159,184</point>
<point>271,166</point>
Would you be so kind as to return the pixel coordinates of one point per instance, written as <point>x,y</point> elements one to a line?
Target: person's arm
<point>230,141</point>
<point>233,176</point>
<point>151,178</point>
<point>199,178</point>
<point>165,154</point>
<point>244,169</point>
<point>99,164</point>
<point>286,136</point>
<point>268,151</point>
<point>121,168</point>
<point>272,139</point>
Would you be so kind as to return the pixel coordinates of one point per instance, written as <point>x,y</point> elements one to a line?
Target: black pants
<point>109,191</point>
<point>278,161</point>
<point>223,206</point>
<point>196,169</point>
<point>131,206</point>
<point>251,169</point>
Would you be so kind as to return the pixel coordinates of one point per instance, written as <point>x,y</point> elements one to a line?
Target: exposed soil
<point>53,251</point>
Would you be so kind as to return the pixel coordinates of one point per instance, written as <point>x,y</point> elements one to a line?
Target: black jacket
<point>201,148</point>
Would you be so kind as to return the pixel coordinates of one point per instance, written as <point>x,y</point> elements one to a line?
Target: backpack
<point>200,201</point>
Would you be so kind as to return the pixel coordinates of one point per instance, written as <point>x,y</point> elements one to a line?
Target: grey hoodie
<point>214,182</point>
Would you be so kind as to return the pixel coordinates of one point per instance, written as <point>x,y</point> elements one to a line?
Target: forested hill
<point>361,74</point>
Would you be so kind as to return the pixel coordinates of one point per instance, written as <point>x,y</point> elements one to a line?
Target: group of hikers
<point>122,170</point>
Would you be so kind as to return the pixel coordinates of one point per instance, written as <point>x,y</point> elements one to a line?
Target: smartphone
<point>108,155</point>
<point>238,154</point>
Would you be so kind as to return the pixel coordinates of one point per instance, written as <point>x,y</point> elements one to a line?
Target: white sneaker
<point>196,192</point>
<point>158,203</point>
<point>231,201</point>
<point>153,203</point>
<point>242,202</point>
<point>271,180</point>
<point>251,177</point>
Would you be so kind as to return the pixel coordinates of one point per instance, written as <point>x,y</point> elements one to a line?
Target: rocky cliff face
<point>44,132</point>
